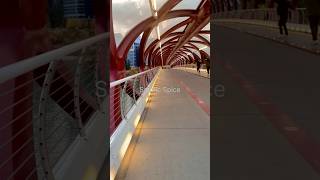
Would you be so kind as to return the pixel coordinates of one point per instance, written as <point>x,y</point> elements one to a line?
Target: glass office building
<point>133,54</point>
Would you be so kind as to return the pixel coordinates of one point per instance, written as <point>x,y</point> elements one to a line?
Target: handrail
<point>26,65</point>
<point>125,94</point>
<point>115,83</point>
<point>297,18</point>
<point>56,103</point>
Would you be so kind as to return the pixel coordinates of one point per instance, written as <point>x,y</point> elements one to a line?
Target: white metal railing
<point>55,97</point>
<point>128,98</point>
<point>24,66</point>
<point>118,82</point>
<point>124,93</point>
<point>297,18</point>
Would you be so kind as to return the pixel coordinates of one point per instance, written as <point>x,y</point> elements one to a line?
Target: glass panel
<point>195,39</point>
<point>159,3</point>
<point>127,14</point>
<point>152,37</point>
<point>207,36</point>
<point>180,29</point>
<point>198,45</point>
<point>166,39</point>
<point>118,38</point>
<point>163,27</point>
<point>195,51</point>
<point>162,41</point>
<point>187,4</point>
<point>166,25</point>
<point>207,50</point>
<point>207,27</point>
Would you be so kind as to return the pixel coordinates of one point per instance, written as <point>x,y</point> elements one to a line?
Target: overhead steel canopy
<point>171,31</point>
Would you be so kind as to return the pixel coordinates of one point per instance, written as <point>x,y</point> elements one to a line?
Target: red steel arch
<point>173,44</point>
<point>194,24</point>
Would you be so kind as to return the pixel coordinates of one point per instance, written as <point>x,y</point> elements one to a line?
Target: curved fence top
<point>13,70</point>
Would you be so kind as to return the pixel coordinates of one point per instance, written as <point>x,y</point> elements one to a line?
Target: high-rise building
<point>77,8</point>
<point>133,54</point>
<point>150,40</point>
<point>136,45</point>
<point>131,57</point>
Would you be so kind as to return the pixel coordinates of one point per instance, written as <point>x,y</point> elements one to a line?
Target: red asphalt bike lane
<point>196,98</point>
<point>308,147</point>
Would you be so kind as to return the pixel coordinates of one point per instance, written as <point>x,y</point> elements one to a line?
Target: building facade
<point>133,54</point>
<point>77,8</point>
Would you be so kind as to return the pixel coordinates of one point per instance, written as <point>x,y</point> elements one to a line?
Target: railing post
<point>77,94</point>
<point>43,147</point>
<point>123,92</point>
<point>134,90</point>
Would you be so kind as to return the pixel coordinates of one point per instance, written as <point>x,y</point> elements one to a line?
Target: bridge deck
<point>174,139</point>
<point>267,125</point>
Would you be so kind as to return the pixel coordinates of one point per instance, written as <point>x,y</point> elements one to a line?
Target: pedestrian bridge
<point>64,116</point>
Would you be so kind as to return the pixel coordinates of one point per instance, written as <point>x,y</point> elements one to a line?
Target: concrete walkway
<point>246,146</point>
<point>267,124</point>
<point>203,72</point>
<point>173,142</point>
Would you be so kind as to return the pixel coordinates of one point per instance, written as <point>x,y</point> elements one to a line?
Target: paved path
<point>203,72</point>
<point>267,124</point>
<point>174,139</point>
